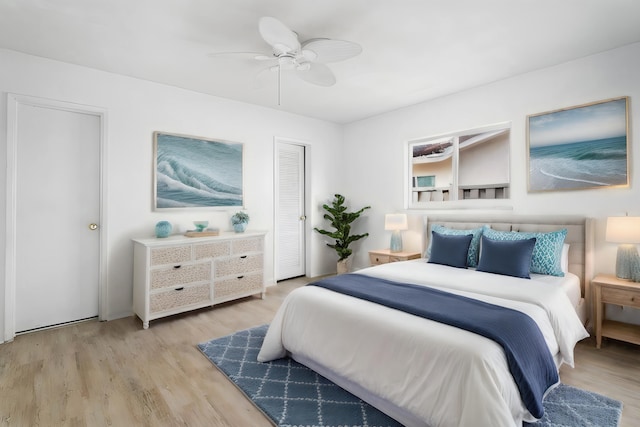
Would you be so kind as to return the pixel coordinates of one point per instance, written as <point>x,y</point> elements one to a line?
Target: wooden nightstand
<point>611,290</point>
<point>383,256</point>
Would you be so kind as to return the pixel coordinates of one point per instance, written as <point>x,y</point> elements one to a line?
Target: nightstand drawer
<point>627,297</point>
<point>376,259</point>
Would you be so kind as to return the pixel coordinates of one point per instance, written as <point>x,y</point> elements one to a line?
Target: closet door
<point>57,207</point>
<point>290,213</point>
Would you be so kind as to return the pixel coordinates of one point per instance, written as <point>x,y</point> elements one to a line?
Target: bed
<point>426,373</point>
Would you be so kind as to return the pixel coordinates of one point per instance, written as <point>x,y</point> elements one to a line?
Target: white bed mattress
<point>570,283</point>
<point>421,372</point>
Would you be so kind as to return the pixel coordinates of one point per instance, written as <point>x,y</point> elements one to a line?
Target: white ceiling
<point>413,50</point>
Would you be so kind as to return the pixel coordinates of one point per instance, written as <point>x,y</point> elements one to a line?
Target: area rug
<point>291,394</point>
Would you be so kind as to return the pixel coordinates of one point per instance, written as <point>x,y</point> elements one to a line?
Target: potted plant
<point>341,221</point>
<point>239,220</point>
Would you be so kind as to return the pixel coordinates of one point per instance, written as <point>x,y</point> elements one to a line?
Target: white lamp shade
<point>396,222</point>
<point>623,229</point>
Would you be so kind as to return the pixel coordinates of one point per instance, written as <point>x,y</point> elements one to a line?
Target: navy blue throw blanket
<point>529,359</point>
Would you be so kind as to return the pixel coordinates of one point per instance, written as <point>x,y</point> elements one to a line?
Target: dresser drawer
<point>241,285</point>
<point>212,250</point>
<point>376,259</point>
<point>628,297</point>
<point>180,297</point>
<point>180,275</point>
<point>170,255</point>
<point>247,245</point>
<point>238,265</point>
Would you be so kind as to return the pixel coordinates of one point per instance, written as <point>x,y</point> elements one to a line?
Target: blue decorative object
<point>240,227</point>
<point>163,229</point>
<point>236,356</point>
<point>201,225</point>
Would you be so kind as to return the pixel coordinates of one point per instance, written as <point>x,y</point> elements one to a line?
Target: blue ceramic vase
<point>163,229</point>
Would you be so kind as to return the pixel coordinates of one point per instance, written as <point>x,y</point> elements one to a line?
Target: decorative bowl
<point>201,225</point>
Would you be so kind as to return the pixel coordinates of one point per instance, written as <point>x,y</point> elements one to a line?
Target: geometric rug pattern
<point>291,394</point>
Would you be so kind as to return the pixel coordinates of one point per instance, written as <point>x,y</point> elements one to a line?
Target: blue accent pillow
<point>547,254</point>
<point>474,247</point>
<point>450,250</point>
<point>507,257</point>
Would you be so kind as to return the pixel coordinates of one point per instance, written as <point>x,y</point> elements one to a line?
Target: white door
<point>57,212</point>
<point>290,212</point>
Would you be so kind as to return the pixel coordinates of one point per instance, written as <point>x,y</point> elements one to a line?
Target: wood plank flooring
<point>117,374</point>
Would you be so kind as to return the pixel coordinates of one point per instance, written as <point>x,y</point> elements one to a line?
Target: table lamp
<point>626,231</point>
<point>395,223</point>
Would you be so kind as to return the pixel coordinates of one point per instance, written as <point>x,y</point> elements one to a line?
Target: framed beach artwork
<point>193,172</point>
<point>579,147</point>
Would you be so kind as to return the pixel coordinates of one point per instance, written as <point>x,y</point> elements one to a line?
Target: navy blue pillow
<point>450,250</point>
<point>507,257</point>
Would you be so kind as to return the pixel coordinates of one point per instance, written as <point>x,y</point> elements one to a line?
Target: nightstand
<point>611,290</point>
<point>384,256</point>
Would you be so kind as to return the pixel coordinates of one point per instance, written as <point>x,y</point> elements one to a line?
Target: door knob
<point>303,217</point>
<point>93,226</point>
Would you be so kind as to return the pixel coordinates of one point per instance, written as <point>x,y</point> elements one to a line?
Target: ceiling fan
<point>306,59</point>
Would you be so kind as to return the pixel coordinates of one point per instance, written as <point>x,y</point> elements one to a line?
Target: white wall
<point>599,77</point>
<point>136,108</point>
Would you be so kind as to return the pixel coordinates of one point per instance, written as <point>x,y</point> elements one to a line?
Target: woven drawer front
<point>213,250</point>
<point>172,255</point>
<point>173,299</point>
<point>247,245</point>
<point>241,285</point>
<point>238,265</point>
<point>167,277</point>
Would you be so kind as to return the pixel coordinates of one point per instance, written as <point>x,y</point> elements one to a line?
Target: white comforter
<point>419,371</point>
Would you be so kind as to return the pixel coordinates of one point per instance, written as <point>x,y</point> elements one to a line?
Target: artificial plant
<point>341,221</point>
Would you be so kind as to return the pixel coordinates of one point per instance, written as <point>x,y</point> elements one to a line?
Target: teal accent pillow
<point>507,257</point>
<point>547,253</point>
<point>474,247</point>
<point>450,250</point>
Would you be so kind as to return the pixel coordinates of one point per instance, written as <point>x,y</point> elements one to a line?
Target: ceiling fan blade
<point>265,77</point>
<point>329,50</point>
<point>318,74</point>
<point>260,56</point>
<point>278,35</point>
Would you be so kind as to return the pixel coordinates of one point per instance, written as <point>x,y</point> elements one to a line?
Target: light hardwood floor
<point>117,374</point>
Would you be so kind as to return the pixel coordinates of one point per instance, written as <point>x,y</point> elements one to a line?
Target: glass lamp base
<point>628,263</point>
<point>396,242</point>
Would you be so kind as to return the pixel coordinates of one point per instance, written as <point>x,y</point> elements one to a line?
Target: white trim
<point>13,101</point>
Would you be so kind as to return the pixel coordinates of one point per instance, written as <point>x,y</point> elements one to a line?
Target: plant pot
<point>344,266</point>
<point>240,227</point>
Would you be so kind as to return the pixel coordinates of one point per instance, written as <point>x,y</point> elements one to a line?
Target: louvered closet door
<point>290,216</point>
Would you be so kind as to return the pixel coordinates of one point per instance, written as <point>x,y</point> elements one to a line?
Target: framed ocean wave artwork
<point>193,172</point>
<point>580,147</point>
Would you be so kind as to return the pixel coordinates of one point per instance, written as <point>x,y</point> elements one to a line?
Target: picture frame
<point>192,172</point>
<point>580,147</point>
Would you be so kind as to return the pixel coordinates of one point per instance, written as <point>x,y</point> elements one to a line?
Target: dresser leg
<point>145,325</point>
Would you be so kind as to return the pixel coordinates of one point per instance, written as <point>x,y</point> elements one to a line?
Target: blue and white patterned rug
<point>293,395</point>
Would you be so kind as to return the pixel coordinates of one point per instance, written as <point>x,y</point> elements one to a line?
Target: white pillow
<point>564,258</point>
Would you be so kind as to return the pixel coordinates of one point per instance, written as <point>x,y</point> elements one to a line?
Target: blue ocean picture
<point>192,172</point>
<point>584,147</point>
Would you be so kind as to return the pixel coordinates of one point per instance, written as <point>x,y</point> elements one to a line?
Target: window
<point>466,165</point>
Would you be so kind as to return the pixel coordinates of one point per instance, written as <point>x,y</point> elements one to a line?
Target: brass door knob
<point>93,226</point>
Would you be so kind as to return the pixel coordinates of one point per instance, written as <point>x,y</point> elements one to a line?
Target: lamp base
<point>628,263</point>
<point>396,241</point>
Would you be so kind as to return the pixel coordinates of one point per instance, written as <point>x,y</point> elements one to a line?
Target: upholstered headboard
<point>579,235</point>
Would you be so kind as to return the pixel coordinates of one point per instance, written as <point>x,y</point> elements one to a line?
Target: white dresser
<point>177,274</point>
